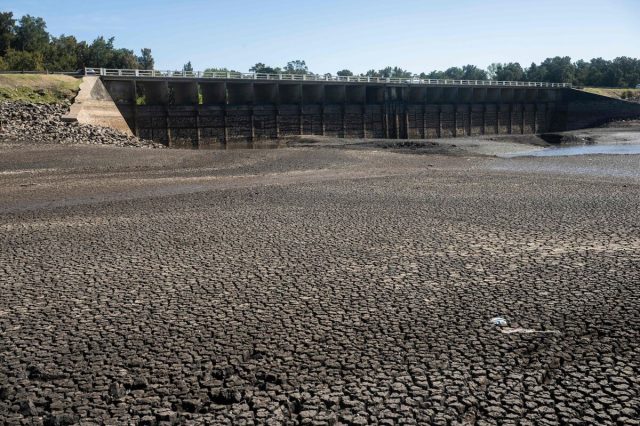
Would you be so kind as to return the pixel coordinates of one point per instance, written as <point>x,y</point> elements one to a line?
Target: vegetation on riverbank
<point>38,88</point>
<point>617,93</point>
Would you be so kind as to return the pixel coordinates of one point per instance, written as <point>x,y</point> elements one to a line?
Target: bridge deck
<point>129,74</point>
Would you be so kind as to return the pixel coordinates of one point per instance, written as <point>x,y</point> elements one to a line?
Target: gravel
<point>22,122</point>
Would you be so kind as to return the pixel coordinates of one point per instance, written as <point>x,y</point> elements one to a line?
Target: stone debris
<point>22,122</point>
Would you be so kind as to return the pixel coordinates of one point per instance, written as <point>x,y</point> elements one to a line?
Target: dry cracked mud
<point>316,286</point>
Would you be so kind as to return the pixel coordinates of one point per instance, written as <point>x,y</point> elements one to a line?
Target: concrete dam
<point>205,110</point>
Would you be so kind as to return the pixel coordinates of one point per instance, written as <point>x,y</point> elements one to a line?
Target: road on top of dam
<point>317,285</point>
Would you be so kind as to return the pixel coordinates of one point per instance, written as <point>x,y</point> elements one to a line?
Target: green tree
<point>472,72</point>
<point>511,71</point>
<point>31,34</point>
<point>600,73</point>
<point>17,60</point>
<point>582,70</point>
<point>345,73</point>
<point>628,70</point>
<point>392,72</point>
<point>296,67</point>
<point>261,68</point>
<point>187,67</point>
<point>145,60</point>
<point>215,69</point>
<point>124,58</point>
<point>536,73</point>
<point>559,69</point>
<point>454,73</point>
<point>433,75</point>
<point>7,31</point>
<point>62,54</point>
<point>99,53</point>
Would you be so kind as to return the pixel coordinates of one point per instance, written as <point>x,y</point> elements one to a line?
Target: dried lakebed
<point>316,286</point>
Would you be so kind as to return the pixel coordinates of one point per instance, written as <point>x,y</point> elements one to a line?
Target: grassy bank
<point>38,88</point>
<point>626,94</point>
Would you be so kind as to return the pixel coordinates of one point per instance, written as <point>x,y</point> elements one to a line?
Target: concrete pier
<point>201,112</point>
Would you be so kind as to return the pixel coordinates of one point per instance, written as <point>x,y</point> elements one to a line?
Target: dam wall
<point>191,112</point>
<point>588,110</point>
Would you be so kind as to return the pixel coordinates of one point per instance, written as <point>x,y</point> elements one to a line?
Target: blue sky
<point>355,34</point>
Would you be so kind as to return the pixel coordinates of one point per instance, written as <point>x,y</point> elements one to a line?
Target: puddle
<point>577,150</point>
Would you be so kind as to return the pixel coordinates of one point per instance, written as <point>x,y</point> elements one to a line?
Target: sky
<point>359,35</point>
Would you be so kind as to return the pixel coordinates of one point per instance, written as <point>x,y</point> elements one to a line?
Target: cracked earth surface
<point>315,286</point>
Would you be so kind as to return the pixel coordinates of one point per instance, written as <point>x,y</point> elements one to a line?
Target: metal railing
<point>108,72</point>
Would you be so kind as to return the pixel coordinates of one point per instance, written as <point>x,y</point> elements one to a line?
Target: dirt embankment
<point>38,88</point>
<point>631,95</point>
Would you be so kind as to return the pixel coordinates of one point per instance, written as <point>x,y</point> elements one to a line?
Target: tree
<point>7,31</point>
<point>628,71</point>
<point>99,53</point>
<point>17,60</point>
<point>390,72</point>
<point>31,34</point>
<point>296,67</point>
<point>536,73</point>
<point>145,60</point>
<point>62,54</point>
<point>102,54</point>
<point>212,70</point>
<point>582,71</point>
<point>433,75</point>
<point>454,73</point>
<point>472,72</point>
<point>492,70</point>
<point>187,67</point>
<point>511,71</point>
<point>261,68</point>
<point>345,73</point>
<point>558,69</point>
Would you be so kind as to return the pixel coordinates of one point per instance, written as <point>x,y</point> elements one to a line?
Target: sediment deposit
<point>316,286</point>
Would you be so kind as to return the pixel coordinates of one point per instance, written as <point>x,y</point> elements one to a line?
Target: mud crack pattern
<point>342,301</point>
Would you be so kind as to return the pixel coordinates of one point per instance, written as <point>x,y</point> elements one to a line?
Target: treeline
<point>620,72</point>
<point>25,45</point>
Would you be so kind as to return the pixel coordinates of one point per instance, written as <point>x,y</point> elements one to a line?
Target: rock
<point>191,405</point>
<point>226,396</point>
<point>61,420</point>
<point>117,391</point>
<point>148,421</point>
<point>139,383</point>
<point>22,122</point>
<point>28,408</point>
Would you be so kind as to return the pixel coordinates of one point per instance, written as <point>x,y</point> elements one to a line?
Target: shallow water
<point>577,150</point>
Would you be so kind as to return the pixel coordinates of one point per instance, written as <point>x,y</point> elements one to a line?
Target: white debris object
<point>499,321</point>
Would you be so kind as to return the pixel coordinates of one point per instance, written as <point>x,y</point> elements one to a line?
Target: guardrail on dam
<point>207,109</point>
